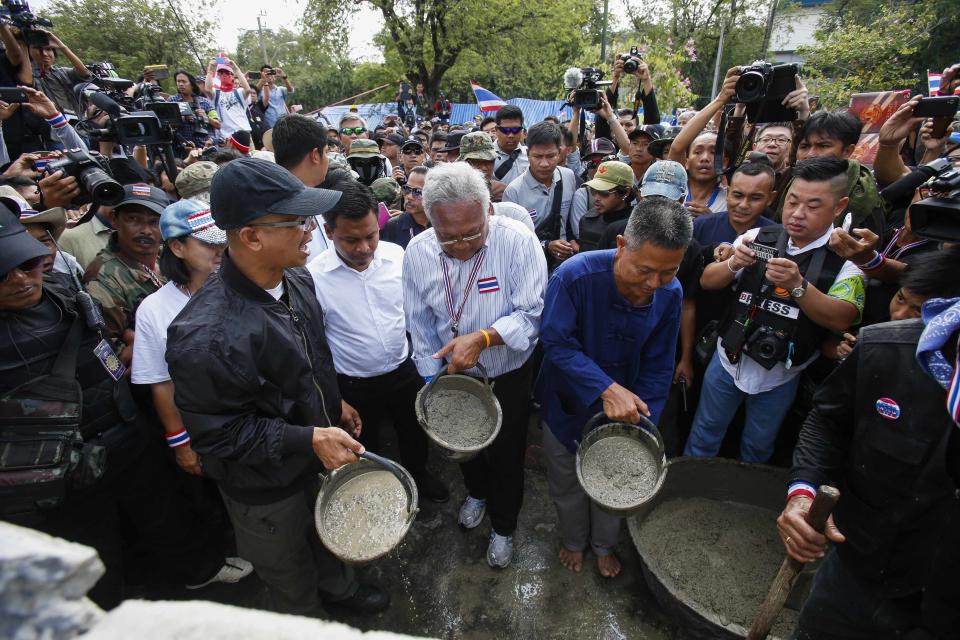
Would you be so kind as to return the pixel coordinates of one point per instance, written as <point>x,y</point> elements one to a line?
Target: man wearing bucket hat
<point>473,287</point>
<point>193,182</point>
<point>477,150</point>
<point>47,227</point>
<point>258,394</point>
<point>387,191</point>
<point>613,196</point>
<point>586,369</point>
<point>367,161</point>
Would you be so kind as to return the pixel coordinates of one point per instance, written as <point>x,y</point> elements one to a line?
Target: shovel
<point>823,504</point>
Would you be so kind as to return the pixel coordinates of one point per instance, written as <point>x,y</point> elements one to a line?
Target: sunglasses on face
<point>412,191</point>
<point>510,131</point>
<point>347,131</point>
<point>27,267</point>
<point>412,151</point>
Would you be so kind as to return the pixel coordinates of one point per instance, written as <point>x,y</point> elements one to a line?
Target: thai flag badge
<point>533,214</point>
<point>488,285</point>
<point>888,408</point>
<point>140,190</point>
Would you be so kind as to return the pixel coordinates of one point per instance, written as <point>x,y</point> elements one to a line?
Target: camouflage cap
<point>195,179</point>
<point>386,190</point>
<point>339,161</point>
<point>477,145</point>
<point>610,175</point>
<point>362,148</point>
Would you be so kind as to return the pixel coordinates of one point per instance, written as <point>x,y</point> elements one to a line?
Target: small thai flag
<point>533,214</point>
<point>140,190</point>
<point>488,285</point>
<point>933,84</point>
<point>487,100</point>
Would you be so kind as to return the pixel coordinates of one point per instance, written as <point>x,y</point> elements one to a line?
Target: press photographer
<point>201,121</point>
<point>631,63</point>
<point>791,291</point>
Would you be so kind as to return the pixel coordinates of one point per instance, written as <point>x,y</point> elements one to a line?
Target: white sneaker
<point>499,551</point>
<point>471,512</point>
<point>233,570</point>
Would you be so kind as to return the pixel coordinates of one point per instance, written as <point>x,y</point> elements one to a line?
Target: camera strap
<point>721,140</point>
<point>504,168</point>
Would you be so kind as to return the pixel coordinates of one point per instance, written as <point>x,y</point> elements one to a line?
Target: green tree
<point>511,46</point>
<point>133,33</point>
<point>881,53</point>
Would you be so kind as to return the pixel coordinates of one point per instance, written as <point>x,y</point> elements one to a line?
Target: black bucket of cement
<point>709,546</point>
<point>621,466</point>
<point>363,510</point>
<point>459,414</point>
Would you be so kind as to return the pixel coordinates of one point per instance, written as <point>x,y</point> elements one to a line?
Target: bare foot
<point>609,565</point>
<point>572,560</point>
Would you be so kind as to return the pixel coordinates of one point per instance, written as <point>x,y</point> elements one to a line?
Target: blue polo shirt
<point>714,228</point>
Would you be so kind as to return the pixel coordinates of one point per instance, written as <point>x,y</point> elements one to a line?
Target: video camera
<point>92,173</point>
<point>17,13</point>
<point>937,217</point>
<point>762,88</point>
<point>629,64</point>
<point>586,82</point>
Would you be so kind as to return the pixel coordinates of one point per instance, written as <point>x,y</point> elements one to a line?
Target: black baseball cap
<point>652,131</point>
<point>411,141</point>
<point>16,245</point>
<point>396,138</point>
<point>453,141</point>
<point>144,194</point>
<point>249,188</point>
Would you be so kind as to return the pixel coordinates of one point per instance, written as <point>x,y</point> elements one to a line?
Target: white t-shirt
<point>277,292</point>
<point>515,211</point>
<point>154,316</point>
<point>749,376</point>
<point>233,113</point>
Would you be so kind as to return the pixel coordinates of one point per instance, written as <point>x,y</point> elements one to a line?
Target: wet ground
<point>441,585</point>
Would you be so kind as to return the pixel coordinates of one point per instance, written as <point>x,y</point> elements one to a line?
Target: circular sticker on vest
<point>888,408</point>
<point>780,292</point>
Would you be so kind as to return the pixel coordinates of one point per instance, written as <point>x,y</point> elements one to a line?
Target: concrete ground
<point>441,585</point>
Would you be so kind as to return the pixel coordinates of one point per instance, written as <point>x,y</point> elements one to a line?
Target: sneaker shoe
<point>499,551</point>
<point>471,512</point>
<point>430,487</point>
<point>233,570</point>
<point>368,599</point>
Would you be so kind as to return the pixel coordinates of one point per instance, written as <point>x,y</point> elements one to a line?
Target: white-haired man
<point>473,290</point>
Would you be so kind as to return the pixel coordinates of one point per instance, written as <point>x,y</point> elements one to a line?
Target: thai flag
<point>487,100</point>
<point>488,285</point>
<point>933,84</point>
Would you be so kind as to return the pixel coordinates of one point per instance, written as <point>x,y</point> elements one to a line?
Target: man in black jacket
<point>256,386</point>
<point>879,430</point>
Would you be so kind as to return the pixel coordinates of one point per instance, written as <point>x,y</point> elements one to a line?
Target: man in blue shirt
<point>272,97</point>
<point>609,336</point>
<point>748,199</point>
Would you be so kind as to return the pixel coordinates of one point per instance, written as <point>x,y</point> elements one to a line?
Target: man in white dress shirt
<point>473,292</point>
<point>359,286</point>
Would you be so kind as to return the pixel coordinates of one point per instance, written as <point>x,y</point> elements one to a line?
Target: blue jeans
<point>719,400</point>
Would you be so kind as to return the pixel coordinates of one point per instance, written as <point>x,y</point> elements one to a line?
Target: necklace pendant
<point>456,329</point>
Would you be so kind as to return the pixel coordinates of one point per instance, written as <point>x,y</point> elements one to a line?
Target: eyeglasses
<point>412,191</point>
<point>27,267</point>
<point>352,130</point>
<point>510,131</point>
<point>450,243</point>
<point>780,142</point>
<point>304,223</point>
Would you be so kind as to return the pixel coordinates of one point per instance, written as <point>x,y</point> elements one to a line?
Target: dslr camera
<point>762,87</point>
<point>93,175</point>
<point>586,81</point>
<point>17,13</point>
<point>937,217</point>
<point>767,346</point>
<point>629,64</point>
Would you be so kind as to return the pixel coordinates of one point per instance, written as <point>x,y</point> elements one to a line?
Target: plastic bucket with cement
<point>621,466</point>
<point>459,414</point>
<point>364,510</point>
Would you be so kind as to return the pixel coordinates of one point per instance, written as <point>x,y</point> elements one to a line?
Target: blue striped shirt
<point>507,295</point>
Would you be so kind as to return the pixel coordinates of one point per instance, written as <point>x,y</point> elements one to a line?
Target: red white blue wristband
<point>178,439</point>
<point>801,489</point>
<point>57,121</point>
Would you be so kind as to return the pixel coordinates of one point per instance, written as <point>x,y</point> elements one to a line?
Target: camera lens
<point>630,65</point>
<point>767,348</point>
<point>750,86</point>
<point>103,188</point>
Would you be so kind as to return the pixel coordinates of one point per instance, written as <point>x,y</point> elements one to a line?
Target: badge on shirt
<point>533,214</point>
<point>108,358</point>
<point>488,285</point>
<point>888,408</point>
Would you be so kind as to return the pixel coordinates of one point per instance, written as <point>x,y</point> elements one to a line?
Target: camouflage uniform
<point>119,287</point>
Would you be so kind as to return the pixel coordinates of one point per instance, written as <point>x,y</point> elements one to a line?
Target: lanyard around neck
<point>455,314</point>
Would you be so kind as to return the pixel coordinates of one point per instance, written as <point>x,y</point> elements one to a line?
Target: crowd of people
<point>178,368</point>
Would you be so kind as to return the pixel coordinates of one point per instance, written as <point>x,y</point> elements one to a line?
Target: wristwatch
<point>799,291</point>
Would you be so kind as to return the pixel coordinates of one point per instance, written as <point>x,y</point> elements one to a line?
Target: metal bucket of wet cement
<point>363,510</point>
<point>459,414</point>
<point>709,546</point>
<point>621,466</point>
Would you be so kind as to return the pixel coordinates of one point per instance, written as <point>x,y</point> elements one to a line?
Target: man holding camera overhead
<point>272,97</point>
<point>791,291</point>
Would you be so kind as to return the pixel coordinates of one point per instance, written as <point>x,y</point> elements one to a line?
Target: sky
<point>233,17</point>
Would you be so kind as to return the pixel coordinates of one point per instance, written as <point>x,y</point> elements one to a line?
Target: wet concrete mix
<point>722,556</point>
<point>458,418</point>
<point>365,516</point>
<point>619,471</point>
